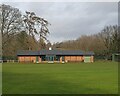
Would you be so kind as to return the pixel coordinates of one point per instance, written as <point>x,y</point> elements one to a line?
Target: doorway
<point>50,58</point>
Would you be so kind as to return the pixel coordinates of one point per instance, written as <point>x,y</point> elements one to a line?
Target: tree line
<point>103,44</point>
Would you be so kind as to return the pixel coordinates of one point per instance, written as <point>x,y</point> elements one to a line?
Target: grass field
<point>0,78</point>
<point>78,78</point>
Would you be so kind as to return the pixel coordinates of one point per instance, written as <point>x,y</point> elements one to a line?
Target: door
<point>36,59</point>
<point>50,58</point>
<point>87,59</point>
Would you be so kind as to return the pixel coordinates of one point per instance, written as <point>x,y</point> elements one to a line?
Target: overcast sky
<point>70,20</point>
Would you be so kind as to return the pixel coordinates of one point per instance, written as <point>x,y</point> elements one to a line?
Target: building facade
<point>51,56</point>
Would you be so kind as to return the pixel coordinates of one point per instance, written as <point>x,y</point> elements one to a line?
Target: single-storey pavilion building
<point>51,56</point>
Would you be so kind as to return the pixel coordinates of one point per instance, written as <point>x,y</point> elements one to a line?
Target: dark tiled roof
<point>54,52</point>
<point>27,52</point>
<point>89,53</point>
<point>61,52</point>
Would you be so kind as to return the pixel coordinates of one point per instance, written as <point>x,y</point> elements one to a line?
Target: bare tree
<point>0,46</point>
<point>29,25</point>
<point>10,22</point>
<point>35,26</point>
<point>0,34</point>
<point>115,39</point>
<point>43,30</point>
<point>110,37</point>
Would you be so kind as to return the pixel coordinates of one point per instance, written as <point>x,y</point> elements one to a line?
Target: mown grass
<point>68,78</point>
<point>0,78</point>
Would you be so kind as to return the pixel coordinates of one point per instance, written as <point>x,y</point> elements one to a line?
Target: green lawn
<point>0,78</point>
<point>77,78</point>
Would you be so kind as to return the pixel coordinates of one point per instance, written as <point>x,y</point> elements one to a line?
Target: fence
<point>9,59</point>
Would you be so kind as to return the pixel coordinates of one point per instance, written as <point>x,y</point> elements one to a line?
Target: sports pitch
<point>100,77</point>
